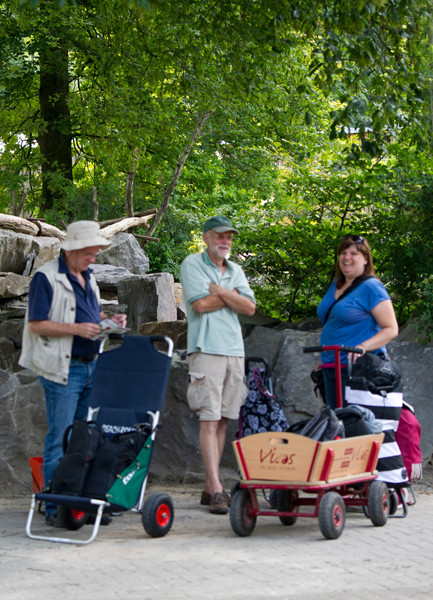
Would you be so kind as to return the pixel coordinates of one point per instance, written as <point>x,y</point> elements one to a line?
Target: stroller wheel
<point>157,515</point>
<point>71,519</point>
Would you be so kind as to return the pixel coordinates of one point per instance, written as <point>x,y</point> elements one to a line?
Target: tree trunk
<point>95,203</point>
<point>201,120</point>
<point>129,188</point>
<point>54,135</point>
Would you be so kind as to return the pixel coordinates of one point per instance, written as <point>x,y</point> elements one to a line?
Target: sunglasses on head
<point>356,239</point>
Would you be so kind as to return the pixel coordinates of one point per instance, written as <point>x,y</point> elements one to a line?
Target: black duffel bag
<point>92,460</point>
<point>323,427</point>
<point>81,442</point>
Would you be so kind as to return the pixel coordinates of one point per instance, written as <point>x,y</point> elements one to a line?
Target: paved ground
<point>201,557</point>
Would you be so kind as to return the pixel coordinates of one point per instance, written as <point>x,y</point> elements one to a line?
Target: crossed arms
<point>220,297</point>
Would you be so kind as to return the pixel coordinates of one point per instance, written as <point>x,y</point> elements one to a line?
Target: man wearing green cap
<point>216,291</point>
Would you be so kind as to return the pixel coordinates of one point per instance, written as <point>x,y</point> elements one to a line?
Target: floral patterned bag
<point>261,411</point>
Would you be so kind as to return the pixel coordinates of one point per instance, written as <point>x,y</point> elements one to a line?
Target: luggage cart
<point>128,389</point>
<point>330,476</point>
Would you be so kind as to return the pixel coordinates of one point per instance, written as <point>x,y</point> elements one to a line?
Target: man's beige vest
<point>51,356</point>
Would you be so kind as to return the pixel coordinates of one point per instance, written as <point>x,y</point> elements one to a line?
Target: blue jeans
<point>330,386</point>
<point>64,405</point>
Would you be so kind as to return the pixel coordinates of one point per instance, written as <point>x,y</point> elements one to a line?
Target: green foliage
<point>174,244</point>
<point>321,125</point>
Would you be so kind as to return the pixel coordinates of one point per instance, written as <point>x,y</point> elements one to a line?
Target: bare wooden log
<point>144,213</point>
<point>125,224</point>
<point>48,230</point>
<point>18,224</point>
<point>38,225</point>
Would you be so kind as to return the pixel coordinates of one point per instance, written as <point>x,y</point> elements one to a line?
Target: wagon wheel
<point>71,519</point>
<point>241,518</point>
<point>378,503</point>
<point>332,515</point>
<point>285,501</point>
<point>273,498</point>
<point>235,487</point>
<point>393,502</point>
<point>157,515</point>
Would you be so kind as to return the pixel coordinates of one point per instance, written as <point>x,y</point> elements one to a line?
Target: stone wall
<point>154,306</point>
<point>176,457</point>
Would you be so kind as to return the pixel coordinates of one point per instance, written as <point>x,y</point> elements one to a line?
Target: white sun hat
<point>83,234</point>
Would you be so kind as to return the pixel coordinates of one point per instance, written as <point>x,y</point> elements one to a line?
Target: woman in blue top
<point>364,318</point>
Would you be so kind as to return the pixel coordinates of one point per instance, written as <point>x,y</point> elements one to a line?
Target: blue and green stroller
<point>106,459</point>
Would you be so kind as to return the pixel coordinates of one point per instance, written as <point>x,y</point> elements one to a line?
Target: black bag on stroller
<point>81,442</point>
<point>92,460</point>
<point>323,427</point>
<point>358,420</point>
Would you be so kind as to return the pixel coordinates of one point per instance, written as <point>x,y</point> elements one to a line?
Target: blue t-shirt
<point>350,322</point>
<point>87,307</point>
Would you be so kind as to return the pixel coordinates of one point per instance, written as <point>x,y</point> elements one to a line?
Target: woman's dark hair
<point>363,247</point>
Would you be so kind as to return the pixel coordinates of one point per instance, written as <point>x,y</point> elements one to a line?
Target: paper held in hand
<point>108,326</point>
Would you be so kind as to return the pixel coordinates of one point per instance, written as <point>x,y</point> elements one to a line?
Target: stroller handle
<point>308,349</point>
<point>258,360</point>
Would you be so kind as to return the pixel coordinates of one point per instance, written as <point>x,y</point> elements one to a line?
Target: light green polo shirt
<point>217,332</point>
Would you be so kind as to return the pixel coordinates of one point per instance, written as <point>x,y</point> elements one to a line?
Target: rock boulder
<point>149,298</point>
<point>125,252</point>
<point>15,248</point>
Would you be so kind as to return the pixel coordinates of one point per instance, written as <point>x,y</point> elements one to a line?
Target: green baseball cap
<point>219,224</point>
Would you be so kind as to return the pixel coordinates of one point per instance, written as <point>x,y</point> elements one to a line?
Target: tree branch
<point>178,170</point>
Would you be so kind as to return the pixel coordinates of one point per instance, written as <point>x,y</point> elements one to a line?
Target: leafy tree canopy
<point>321,124</point>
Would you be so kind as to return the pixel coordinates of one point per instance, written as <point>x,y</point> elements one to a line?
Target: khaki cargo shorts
<point>216,386</point>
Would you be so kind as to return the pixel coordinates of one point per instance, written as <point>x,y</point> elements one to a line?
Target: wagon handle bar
<point>337,350</point>
<point>308,349</point>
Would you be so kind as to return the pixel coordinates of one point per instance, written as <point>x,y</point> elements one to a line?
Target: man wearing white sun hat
<point>63,316</point>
